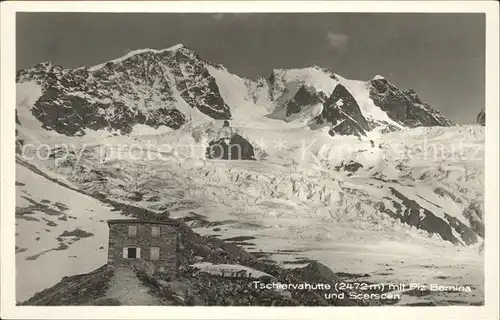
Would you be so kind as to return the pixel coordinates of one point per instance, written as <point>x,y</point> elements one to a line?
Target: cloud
<point>336,41</point>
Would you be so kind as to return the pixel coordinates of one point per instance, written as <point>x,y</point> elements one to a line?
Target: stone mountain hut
<point>132,240</point>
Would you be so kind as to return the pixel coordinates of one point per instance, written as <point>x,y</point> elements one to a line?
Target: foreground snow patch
<point>59,232</point>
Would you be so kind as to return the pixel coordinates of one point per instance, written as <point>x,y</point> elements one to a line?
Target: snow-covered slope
<point>59,232</point>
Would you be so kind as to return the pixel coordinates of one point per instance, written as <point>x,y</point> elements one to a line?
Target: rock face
<point>303,98</point>
<point>76,290</point>
<point>411,213</point>
<point>342,111</point>
<point>404,106</point>
<point>234,148</point>
<point>321,98</point>
<point>481,117</point>
<point>169,87</point>
<point>351,167</point>
<point>71,115</point>
<point>143,87</point>
<point>196,86</point>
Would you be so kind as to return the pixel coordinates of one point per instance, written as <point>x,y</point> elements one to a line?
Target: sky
<point>439,55</point>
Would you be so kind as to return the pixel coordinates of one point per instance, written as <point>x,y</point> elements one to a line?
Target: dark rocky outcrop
<point>316,272</point>
<point>234,148</point>
<point>481,117</point>
<point>342,111</point>
<point>347,128</point>
<point>198,88</point>
<point>304,97</point>
<point>19,143</point>
<point>82,289</point>
<point>404,106</point>
<point>351,167</point>
<point>411,213</point>
<point>475,215</point>
<point>191,289</point>
<point>71,115</point>
<point>466,233</point>
<point>17,119</point>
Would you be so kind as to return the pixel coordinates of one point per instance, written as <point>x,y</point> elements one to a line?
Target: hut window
<point>155,231</point>
<point>132,231</point>
<point>155,253</point>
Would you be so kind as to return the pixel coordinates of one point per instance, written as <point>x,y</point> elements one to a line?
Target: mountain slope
<point>359,175</point>
<point>144,87</point>
<point>404,106</point>
<point>171,87</point>
<point>54,223</point>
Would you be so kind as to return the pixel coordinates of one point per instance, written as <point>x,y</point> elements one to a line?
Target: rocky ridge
<point>481,117</point>
<point>167,87</point>
<point>145,87</point>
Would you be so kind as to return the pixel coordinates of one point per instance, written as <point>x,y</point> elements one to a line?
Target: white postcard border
<point>7,95</point>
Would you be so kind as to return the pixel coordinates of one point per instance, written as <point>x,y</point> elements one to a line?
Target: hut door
<point>131,253</point>
<point>155,253</point>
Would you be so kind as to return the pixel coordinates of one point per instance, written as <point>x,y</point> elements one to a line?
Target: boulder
<point>231,148</point>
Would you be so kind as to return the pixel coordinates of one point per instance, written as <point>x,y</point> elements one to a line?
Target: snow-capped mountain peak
<point>173,86</point>
<point>137,52</point>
